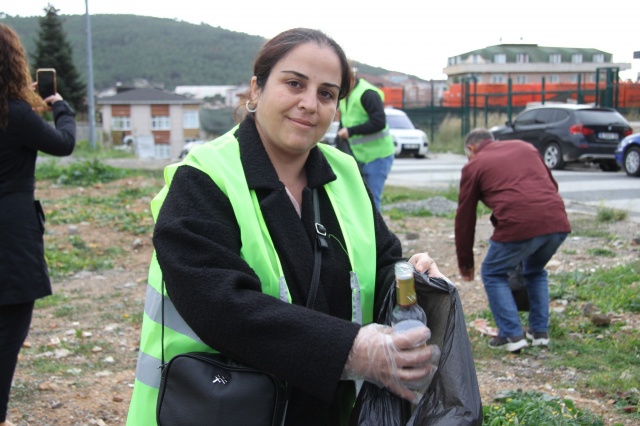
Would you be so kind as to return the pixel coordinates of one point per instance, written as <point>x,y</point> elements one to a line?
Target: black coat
<point>197,242</point>
<point>23,270</point>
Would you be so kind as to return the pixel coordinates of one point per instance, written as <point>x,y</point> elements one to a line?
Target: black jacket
<point>197,242</point>
<point>23,270</point>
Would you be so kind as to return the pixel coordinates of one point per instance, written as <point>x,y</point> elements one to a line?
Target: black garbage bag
<point>453,397</point>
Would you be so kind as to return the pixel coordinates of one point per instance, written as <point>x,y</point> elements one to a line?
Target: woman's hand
<point>425,264</point>
<point>53,99</point>
<point>379,356</point>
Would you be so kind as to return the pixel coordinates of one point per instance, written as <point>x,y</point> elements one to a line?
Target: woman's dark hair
<point>276,48</point>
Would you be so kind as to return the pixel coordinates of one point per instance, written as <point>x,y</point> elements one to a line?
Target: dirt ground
<point>92,330</point>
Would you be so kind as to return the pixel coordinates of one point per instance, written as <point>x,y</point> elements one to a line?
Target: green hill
<point>165,52</point>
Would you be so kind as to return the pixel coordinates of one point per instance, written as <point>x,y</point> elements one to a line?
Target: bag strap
<point>321,243</point>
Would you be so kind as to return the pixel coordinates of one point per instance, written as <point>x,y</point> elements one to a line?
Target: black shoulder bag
<point>201,388</point>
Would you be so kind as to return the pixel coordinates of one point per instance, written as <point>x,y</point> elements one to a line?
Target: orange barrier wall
<point>522,94</point>
<point>393,96</point>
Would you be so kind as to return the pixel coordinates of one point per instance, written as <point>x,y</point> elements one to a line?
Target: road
<point>583,188</point>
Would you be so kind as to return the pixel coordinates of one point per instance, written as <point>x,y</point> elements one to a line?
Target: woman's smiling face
<point>299,99</point>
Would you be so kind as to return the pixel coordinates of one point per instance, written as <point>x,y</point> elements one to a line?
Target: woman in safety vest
<point>234,245</point>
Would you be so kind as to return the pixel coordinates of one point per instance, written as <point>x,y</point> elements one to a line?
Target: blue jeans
<point>375,174</point>
<point>503,258</point>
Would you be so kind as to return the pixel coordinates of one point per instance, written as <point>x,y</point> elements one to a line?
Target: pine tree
<point>54,51</point>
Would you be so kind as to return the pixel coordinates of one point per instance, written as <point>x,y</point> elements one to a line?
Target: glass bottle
<point>406,313</point>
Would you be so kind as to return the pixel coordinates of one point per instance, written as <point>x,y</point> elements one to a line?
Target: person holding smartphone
<point>24,274</point>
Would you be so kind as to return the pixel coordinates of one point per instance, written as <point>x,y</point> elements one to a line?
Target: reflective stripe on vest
<point>369,138</point>
<point>221,160</point>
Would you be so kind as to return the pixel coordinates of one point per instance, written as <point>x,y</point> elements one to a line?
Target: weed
<point>80,173</point>
<point>536,408</point>
<point>606,214</point>
<point>598,251</point>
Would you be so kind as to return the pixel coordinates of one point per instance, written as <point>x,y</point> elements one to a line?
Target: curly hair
<point>15,78</point>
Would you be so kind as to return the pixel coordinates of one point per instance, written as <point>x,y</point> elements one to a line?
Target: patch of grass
<point>399,194</point>
<point>536,408</point>
<point>105,210</point>
<point>605,214</point>
<point>599,251</point>
<point>52,300</point>
<point>80,173</point>
<point>588,226</point>
<point>66,256</point>
<point>611,290</point>
<point>64,311</point>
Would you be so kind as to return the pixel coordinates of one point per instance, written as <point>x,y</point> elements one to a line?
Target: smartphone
<point>46,79</point>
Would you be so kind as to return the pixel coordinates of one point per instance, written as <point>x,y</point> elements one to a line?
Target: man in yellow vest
<point>364,123</point>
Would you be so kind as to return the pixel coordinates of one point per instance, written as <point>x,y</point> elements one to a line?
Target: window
<point>190,119</point>
<point>475,59</point>
<point>545,116</point>
<point>521,79</point>
<point>598,57</point>
<point>500,58</point>
<point>555,58</point>
<point>528,117</point>
<point>554,78</point>
<point>522,58</point>
<point>497,78</point>
<point>574,78</point>
<point>576,58</point>
<point>121,122</point>
<point>591,78</point>
<point>160,122</point>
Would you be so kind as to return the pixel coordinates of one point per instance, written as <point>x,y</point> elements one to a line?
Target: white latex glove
<point>392,360</point>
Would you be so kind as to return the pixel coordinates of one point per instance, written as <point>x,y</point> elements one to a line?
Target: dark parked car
<point>565,133</point>
<point>628,154</point>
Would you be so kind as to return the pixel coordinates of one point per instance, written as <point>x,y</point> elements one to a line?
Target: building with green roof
<point>528,63</point>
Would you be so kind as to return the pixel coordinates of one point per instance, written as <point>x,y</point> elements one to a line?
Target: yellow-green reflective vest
<point>366,148</point>
<point>220,159</point>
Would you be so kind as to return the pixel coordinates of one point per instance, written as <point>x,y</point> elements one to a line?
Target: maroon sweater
<point>511,178</point>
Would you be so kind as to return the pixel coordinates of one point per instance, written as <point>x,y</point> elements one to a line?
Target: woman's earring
<point>249,109</point>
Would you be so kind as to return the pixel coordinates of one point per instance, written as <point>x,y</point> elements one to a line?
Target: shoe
<point>538,339</point>
<point>511,344</point>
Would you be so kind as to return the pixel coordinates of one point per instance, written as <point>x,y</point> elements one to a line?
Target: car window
<point>546,116</point>
<point>527,117</point>
<point>561,115</point>
<point>399,122</point>
<point>599,117</point>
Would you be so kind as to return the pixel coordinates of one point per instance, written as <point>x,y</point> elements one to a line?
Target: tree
<point>54,51</point>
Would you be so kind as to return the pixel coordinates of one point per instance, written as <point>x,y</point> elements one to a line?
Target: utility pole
<point>90,96</point>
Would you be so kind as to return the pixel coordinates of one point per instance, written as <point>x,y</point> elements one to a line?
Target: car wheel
<point>419,155</point>
<point>553,156</point>
<point>609,166</point>
<point>632,161</point>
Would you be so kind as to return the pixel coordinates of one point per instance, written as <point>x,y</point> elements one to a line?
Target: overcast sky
<point>410,36</point>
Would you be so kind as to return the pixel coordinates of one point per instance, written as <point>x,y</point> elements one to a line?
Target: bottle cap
<point>403,270</point>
